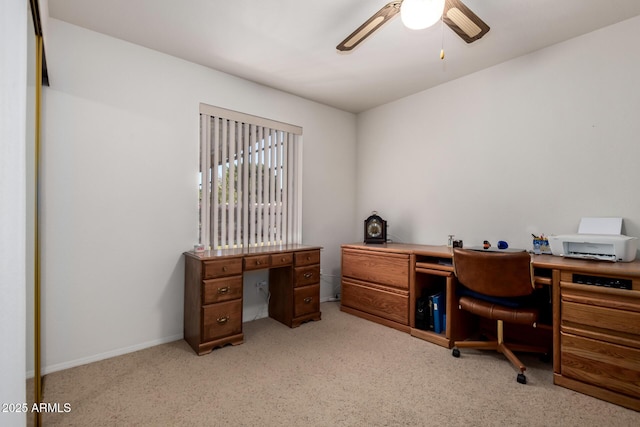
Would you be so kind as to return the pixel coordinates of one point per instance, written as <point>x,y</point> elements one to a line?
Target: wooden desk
<point>213,291</point>
<point>595,330</point>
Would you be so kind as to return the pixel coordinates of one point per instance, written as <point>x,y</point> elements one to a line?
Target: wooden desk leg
<point>555,301</point>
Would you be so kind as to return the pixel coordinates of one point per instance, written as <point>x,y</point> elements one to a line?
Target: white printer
<point>597,238</point>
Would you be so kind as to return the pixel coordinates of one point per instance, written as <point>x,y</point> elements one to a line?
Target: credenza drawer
<point>306,300</point>
<point>593,317</point>
<point>221,267</point>
<point>307,258</point>
<point>610,366</point>
<point>381,301</point>
<point>604,314</point>
<point>389,269</point>
<point>307,275</point>
<point>221,319</point>
<point>218,290</point>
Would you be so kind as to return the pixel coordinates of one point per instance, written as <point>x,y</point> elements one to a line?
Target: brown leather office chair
<point>497,286</point>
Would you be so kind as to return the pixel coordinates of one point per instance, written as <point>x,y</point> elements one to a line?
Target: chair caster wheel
<point>521,379</point>
<point>455,352</point>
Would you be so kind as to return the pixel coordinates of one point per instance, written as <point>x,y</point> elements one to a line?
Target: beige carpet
<point>340,371</point>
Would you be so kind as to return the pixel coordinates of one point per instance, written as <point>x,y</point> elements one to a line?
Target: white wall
<point>120,172</point>
<point>528,146</point>
<point>13,105</point>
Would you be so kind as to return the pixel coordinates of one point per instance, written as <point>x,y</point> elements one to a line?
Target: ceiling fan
<point>455,14</point>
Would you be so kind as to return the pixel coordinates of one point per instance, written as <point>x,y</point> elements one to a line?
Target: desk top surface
<point>630,269</point>
<point>256,250</point>
<point>409,248</point>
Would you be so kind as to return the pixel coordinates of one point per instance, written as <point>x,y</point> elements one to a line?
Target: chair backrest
<point>497,274</point>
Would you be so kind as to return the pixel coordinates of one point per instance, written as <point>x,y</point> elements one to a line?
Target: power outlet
<point>262,286</point>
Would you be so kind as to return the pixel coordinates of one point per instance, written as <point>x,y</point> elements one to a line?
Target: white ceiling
<point>290,44</point>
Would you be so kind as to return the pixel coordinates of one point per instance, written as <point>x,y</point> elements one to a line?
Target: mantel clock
<point>375,229</point>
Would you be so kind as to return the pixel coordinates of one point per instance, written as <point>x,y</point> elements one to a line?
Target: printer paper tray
<point>598,257</point>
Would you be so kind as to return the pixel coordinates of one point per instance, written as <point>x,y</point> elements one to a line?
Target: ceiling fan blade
<point>463,21</point>
<point>387,12</point>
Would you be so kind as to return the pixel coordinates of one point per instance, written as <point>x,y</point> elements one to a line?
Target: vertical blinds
<point>251,170</point>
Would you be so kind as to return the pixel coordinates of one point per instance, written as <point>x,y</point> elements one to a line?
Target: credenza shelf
<point>439,339</point>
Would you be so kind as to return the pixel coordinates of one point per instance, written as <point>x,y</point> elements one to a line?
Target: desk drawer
<point>306,300</point>
<point>610,366</point>
<point>221,267</point>
<point>278,260</point>
<point>256,262</point>
<point>381,301</point>
<point>218,290</point>
<point>307,258</point>
<point>307,275</point>
<point>221,319</point>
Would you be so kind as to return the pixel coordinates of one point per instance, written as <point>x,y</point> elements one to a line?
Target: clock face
<point>374,229</point>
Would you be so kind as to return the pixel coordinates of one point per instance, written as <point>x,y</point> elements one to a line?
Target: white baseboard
<point>107,355</point>
<point>255,314</point>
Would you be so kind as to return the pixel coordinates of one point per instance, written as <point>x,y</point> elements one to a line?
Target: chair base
<point>499,346</point>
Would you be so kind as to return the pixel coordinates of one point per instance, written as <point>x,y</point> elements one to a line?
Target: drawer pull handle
<point>283,259</point>
<point>222,320</point>
<point>307,300</point>
<point>224,268</point>
<point>258,262</point>
<point>223,290</point>
<point>308,275</point>
<point>308,257</point>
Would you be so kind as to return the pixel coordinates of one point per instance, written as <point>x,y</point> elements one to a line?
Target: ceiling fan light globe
<point>420,14</point>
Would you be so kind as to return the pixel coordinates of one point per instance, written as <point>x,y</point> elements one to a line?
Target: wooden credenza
<point>594,328</point>
<point>376,286</point>
<point>213,291</point>
<point>382,283</point>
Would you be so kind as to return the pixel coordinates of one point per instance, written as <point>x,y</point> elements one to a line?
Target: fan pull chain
<point>442,37</point>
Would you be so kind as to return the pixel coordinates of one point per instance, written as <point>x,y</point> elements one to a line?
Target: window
<point>250,180</point>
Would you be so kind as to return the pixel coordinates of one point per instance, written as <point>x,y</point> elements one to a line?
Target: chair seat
<point>523,315</point>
